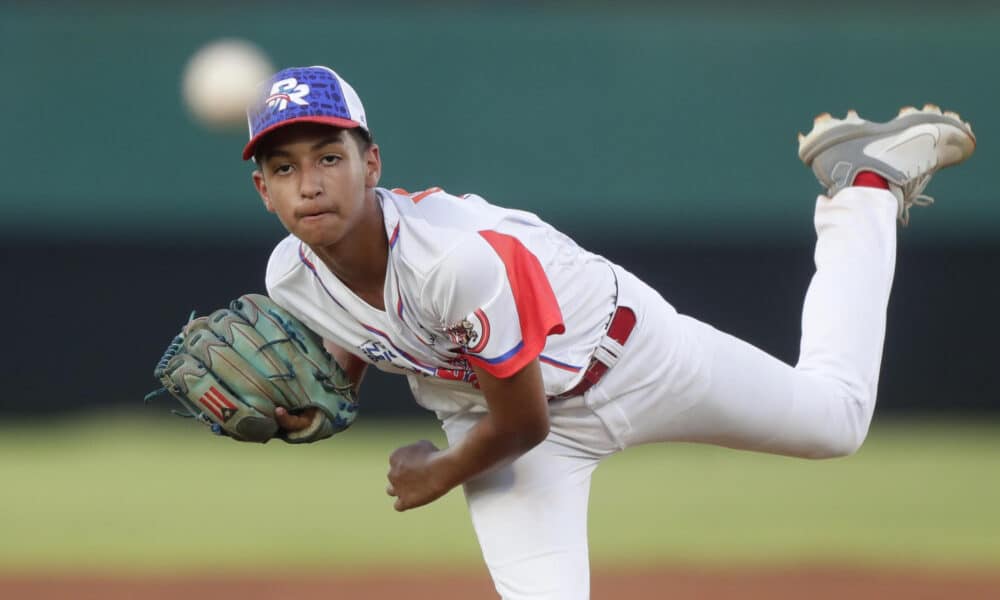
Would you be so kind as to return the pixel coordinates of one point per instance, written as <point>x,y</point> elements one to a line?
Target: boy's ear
<point>373,164</point>
<point>261,186</point>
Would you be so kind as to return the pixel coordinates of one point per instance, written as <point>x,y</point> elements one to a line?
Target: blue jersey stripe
<point>558,364</point>
<point>508,354</point>
<point>312,268</point>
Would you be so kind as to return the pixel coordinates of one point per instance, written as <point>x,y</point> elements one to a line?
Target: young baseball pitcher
<point>541,358</point>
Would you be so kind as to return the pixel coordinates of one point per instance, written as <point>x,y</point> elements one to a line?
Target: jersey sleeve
<point>495,302</point>
<point>282,262</point>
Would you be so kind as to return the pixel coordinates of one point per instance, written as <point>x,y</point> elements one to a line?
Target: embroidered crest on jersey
<point>376,351</point>
<point>472,333</point>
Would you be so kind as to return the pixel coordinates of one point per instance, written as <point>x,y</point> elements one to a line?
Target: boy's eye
<point>282,169</point>
<point>330,159</point>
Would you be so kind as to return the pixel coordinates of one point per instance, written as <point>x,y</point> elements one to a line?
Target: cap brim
<point>248,150</point>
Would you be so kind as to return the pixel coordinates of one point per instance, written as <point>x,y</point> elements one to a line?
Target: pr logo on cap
<point>285,91</point>
<point>303,94</point>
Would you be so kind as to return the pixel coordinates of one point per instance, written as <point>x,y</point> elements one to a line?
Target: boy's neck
<point>360,259</point>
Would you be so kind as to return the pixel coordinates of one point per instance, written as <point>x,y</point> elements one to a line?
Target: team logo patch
<point>217,403</point>
<point>472,333</point>
<point>285,91</point>
<point>376,351</point>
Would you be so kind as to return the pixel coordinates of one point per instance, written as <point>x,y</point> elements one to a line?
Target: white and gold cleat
<point>907,150</point>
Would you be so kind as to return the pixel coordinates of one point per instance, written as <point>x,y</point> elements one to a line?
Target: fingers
<point>399,504</point>
<point>294,422</point>
<point>408,475</point>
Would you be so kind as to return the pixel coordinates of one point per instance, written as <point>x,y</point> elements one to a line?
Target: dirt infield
<point>674,584</point>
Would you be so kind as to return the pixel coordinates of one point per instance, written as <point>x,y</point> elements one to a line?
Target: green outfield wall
<point>620,118</point>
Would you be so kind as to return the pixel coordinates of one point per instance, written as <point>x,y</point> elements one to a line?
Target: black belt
<point>607,353</point>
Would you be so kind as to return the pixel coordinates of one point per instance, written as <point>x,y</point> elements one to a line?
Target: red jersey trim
<point>537,307</point>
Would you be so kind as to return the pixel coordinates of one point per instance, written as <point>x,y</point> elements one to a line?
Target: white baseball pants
<point>681,380</point>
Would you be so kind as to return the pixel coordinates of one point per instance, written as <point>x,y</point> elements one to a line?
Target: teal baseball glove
<point>233,368</point>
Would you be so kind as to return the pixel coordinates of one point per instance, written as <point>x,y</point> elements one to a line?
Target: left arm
<point>517,421</point>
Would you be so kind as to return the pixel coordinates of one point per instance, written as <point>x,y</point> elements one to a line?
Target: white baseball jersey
<point>467,283</point>
<point>471,283</point>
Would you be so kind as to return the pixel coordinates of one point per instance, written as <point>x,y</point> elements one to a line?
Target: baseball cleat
<point>907,150</point>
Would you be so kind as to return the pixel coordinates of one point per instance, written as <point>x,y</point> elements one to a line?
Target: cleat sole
<point>824,131</point>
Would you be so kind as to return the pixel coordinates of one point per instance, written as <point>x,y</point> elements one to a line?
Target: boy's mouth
<point>307,214</point>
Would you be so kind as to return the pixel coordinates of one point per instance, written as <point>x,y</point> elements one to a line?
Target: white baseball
<point>220,79</point>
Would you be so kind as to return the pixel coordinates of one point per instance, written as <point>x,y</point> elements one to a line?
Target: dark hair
<point>362,137</point>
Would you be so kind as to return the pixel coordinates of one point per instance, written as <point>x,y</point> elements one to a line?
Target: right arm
<point>281,284</point>
<point>351,364</point>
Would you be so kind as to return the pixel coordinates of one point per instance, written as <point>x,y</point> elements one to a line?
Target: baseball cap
<point>303,95</point>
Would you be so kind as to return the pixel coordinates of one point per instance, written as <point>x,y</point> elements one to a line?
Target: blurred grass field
<point>128,494</point>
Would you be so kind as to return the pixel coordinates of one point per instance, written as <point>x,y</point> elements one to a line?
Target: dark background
<point>93,341</point>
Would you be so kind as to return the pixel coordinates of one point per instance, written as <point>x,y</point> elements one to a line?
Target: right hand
<point>294,422</point>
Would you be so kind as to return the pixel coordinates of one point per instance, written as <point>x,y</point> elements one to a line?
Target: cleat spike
<point>953,115</point>
<point>907,110</point>
<point>852,114</point>
<point>801,137</point>
<point>822,118</point>
<point>932,108</point>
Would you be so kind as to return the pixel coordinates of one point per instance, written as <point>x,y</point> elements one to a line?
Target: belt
<point>608,351</point>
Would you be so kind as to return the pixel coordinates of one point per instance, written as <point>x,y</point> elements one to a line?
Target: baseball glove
<point>233,368</point>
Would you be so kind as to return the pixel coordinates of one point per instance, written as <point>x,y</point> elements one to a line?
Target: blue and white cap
<point>303,94</point>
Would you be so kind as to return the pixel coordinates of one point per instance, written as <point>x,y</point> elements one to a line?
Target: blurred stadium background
<point>661,135</point>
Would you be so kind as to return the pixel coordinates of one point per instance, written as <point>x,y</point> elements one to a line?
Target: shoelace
<point>912,196</point>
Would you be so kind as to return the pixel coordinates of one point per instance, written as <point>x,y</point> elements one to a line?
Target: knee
<point>831,417</point>
<point>844,444</point>
<point>847,428</point>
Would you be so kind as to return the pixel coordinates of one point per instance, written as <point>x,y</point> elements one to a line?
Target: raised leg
<point>707,386</point>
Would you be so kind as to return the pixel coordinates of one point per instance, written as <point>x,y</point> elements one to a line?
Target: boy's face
<point>316,179</point>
